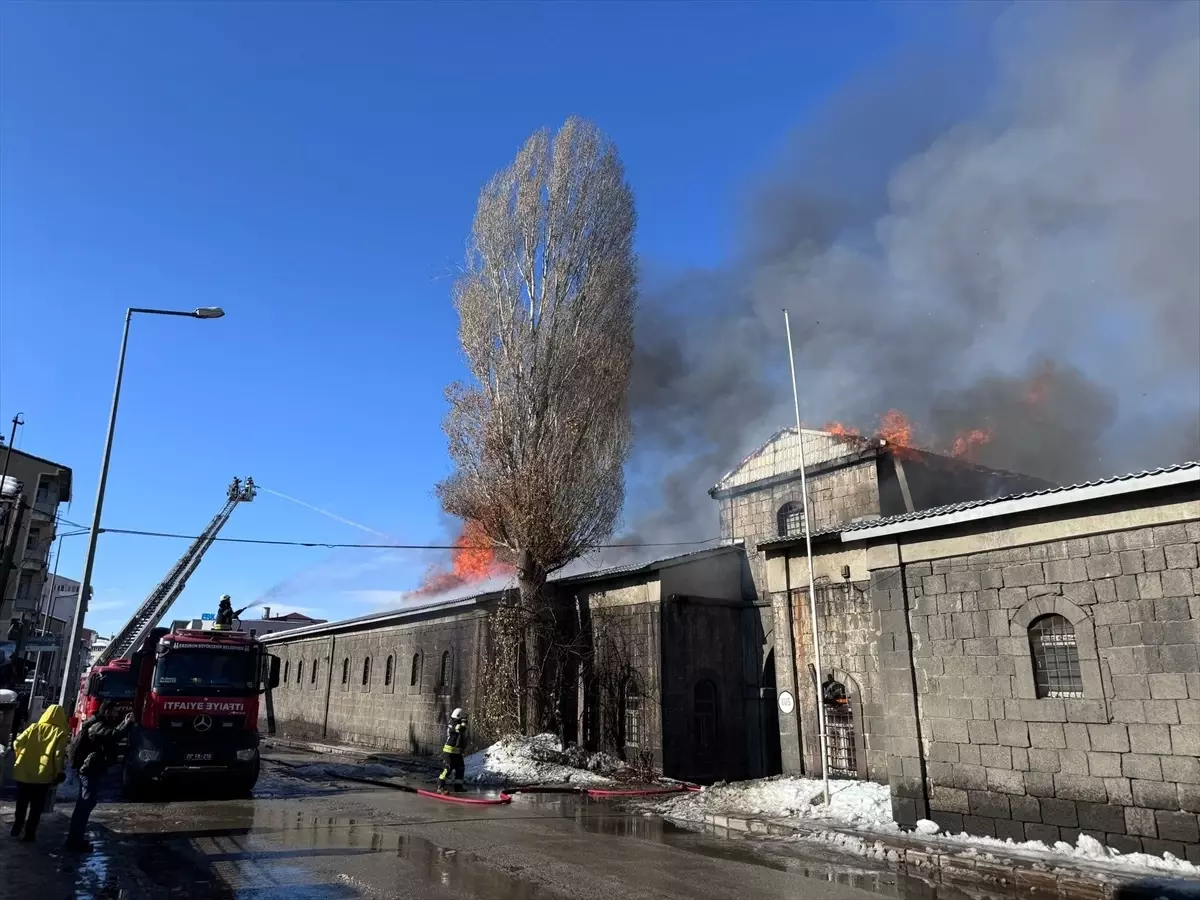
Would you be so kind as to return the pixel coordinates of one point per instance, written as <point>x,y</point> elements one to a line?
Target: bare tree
<point>540,434</point>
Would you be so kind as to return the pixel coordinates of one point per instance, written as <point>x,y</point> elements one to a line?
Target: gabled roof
<point>780,455</point>
<point>971,510</point>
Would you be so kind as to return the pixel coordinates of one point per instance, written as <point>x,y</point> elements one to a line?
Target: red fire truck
<point>196,708</point>
<point>194,694</point>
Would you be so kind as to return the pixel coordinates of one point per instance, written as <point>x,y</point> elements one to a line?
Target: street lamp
<point>204,312</point>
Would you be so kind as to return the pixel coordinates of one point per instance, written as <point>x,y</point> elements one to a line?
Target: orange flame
<point>473,560</point>
<point>967,442</point>
<point>895,428</point>
<point>838,430</point>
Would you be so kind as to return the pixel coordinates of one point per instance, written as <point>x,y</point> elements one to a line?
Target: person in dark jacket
<point>93,751</point>
<point>452,751</point>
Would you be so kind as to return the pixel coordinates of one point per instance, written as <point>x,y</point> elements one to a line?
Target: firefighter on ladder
<point>452,751</point>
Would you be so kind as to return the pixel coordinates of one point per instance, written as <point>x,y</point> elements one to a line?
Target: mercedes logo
<point>202,723</point>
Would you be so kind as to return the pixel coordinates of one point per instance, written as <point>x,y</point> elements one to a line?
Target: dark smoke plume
<point>1027,265</point>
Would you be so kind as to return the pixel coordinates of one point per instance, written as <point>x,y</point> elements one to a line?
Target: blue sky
<point>313,169</point>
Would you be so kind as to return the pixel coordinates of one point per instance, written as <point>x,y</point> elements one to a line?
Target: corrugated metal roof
<point>463,598</point>
<point>952,513</point>
<point>978,509</point>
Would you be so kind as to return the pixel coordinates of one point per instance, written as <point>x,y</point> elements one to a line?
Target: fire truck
<point>193,694</point>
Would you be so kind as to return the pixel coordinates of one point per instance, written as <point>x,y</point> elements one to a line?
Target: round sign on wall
<point>786,702</point>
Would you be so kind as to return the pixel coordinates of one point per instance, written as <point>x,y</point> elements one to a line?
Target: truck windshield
<point>184,671</point>
<point>117,685</point>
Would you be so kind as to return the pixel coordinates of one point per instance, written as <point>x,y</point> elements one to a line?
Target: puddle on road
<point>254,849</point>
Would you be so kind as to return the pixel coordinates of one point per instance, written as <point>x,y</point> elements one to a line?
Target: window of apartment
<point>633,715</point>
<point>704,719</point>
<point>287,667</point>
<point>387,671</point>
<point>300,672</point>
<point>25,585</point>
<point>312,678</point>
<point>1055,657</point>
<point>253,632</point>
<point>346,671</point>
<point>414,678</point>
<point>32,541</point>
<point>790,519</point>
<point>44,489</point>
<point>366,673</point>
<point>444,673</point>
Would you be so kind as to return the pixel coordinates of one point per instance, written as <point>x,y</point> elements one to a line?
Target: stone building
<point>1023,667</point>
<point>679,635</point>
<point>850,479</point>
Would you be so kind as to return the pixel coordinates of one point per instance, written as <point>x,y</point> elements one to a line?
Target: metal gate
<point>839,740</point>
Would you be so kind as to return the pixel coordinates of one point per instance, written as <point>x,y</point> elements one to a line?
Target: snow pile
<point>538,760</point>
<point>866,806</point>
<point>860,804</point>
<point>1086,849</point>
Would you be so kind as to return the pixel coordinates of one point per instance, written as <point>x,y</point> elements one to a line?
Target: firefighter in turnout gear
<point>452,751</point>
<point>226,614</point>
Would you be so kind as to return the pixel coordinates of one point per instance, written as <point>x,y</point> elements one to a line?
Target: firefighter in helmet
<point>226,614</point>
<point>452,751</point>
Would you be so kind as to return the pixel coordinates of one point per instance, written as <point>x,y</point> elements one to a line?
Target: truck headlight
<point>247,755</point>
<point>149,754</point>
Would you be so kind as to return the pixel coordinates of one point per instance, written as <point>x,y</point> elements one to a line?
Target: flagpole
<point>812,593</point>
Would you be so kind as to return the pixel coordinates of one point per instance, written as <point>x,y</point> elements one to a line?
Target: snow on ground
<point>519,760</point>
<point>867,806</point>
<point>861,804</point>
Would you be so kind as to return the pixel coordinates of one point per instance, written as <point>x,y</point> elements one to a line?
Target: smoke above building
<point>1014,267</point>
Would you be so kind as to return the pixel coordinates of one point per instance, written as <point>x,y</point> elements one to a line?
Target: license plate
<point>198,757</point>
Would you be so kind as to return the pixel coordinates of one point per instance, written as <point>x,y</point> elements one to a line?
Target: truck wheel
<point>244,784</point>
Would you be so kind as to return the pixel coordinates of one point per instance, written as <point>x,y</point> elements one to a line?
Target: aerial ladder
<point>156,605</point>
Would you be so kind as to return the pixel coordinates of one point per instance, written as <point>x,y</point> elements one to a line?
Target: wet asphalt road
<point>309,837</point>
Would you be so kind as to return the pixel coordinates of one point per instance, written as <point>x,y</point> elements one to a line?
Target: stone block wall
<point>1120,763</point>
<point>835,496</point>
<point>354,700</point>
<point>849,650</point>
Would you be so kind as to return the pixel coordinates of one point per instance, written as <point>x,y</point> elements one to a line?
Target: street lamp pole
<point>85,583</point>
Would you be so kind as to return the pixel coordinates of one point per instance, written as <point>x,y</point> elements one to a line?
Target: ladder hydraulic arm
<point>155,606</point>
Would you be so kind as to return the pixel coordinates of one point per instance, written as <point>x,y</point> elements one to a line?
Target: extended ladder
<point>155,606</point>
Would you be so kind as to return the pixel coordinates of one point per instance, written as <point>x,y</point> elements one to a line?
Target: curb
<point>923,855</point>
<point>363,753</point>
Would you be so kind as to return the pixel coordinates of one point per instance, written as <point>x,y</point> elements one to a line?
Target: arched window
<point>387,672</point>
<point>444,674</point>
<point>312,678</point>
<point>300,672</point>
<point>790,519</point>
<point>1055,657</point>
<point>346,670</point>
<point>704,719</point>
<point>287,667</point>
<point>366,679</point>
<point>633,714</point>
<point>414,677</point>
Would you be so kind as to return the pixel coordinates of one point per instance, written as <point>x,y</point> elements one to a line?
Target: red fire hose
<point>471,801</point>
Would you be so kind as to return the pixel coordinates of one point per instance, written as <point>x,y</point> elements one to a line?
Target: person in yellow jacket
<point>41,761</point>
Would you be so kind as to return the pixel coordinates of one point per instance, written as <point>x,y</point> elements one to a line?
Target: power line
<point>337,546</point>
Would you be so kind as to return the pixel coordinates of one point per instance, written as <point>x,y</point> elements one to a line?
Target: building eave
<point>1185,473</point>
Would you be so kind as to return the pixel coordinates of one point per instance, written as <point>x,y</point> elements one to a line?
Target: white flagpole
<point>812,593</point>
